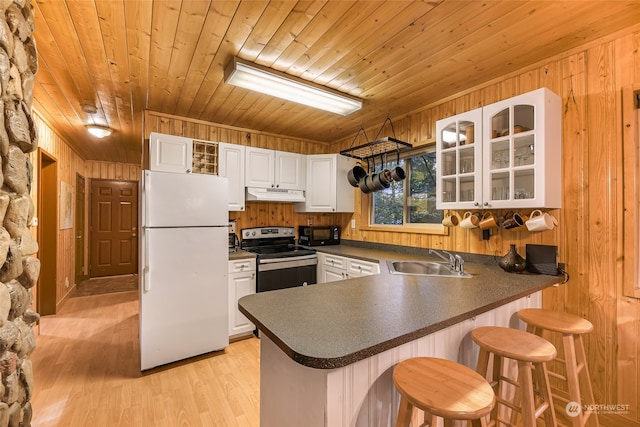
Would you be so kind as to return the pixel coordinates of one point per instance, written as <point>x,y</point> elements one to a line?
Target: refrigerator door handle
<point>145,270</point>
<point>145,192</point>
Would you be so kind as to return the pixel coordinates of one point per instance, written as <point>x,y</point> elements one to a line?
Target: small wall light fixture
<point>99,131</point>
<point>270,82</point>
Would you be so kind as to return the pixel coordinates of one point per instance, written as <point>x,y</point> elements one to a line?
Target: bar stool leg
<point>525,379</point>
<point>483,368</point>
<point>405,412</point>
<point>585,386</point>
<point>542,380</point>
<point>572,376</point>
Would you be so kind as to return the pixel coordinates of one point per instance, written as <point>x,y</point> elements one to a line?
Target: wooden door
<point>80,230</point>
<point>113,228</point>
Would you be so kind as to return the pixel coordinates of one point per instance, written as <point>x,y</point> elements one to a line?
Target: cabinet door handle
<point>476,204</point>
<point>485,204</point>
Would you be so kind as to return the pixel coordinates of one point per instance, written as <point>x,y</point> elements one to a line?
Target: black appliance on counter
<point>280,263</point>
<point>319,235</point>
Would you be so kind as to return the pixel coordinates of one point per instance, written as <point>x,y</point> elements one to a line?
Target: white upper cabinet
<point>512,161</point>
<point>290,170</point>
<point>260,167</point>
<point>170,153</point>
<point>459,160</point>
<point>522,151</point>
<point>231,166</point>
<point>274,169</point>
<point>327,187</point>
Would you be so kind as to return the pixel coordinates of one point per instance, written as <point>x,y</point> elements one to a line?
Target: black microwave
<point>319,235</point>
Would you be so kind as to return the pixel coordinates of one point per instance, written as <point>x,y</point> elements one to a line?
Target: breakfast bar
<point>328,350</point>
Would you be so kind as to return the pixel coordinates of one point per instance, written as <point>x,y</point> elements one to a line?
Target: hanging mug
<point>469,220</point>
<point>539,221</point>
<point>488,221</point>
<point>450,220</point>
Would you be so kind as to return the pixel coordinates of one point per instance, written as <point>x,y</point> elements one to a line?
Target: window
<point>413,200</point>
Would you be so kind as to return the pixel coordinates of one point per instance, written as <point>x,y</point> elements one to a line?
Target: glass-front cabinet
<point>459,160</point>
<point>505,155</point>
<point>522,151</point>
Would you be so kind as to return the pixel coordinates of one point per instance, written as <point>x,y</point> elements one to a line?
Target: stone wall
<point>20,268</point>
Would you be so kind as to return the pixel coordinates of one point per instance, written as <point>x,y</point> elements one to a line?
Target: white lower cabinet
<point>333,267</point>
<point>357,268</point>
<point>242,281</point>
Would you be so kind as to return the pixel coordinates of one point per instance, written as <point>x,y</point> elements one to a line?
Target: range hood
<point>274,195</point>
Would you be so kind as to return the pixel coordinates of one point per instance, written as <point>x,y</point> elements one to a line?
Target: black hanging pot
<point>355,175</point>
<point>398,173</point>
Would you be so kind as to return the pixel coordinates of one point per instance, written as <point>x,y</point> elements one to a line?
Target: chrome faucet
<point>451,260</point>
<point>455,261</point>
<point>460,263</point>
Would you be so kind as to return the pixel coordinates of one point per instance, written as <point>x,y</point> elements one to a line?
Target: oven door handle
<point>287,259</point>
<point>290,263</point>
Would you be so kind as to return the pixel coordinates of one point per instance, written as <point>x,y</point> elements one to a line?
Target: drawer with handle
<point>242,265</point>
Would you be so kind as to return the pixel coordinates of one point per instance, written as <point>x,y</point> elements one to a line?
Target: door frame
<point>80,227</point>
<point>46,295</point>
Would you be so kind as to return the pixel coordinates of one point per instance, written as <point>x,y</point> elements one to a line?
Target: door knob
<point>133,234</point>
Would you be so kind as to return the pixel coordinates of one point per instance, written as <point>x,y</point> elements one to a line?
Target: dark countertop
<point>240,254</point>
<point>335,324</point>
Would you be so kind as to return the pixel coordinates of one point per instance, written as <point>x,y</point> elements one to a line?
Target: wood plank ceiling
<point>125,56</point>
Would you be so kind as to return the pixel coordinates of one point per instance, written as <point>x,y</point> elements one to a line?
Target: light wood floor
<point>86,371</point>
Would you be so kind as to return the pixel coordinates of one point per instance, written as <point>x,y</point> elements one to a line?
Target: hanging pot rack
<point>377,147</point>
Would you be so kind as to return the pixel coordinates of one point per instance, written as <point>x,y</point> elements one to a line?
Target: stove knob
<point>253,233</point>
<point>246,234</point>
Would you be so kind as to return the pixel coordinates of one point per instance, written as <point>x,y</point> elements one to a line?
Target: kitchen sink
<point>423,268</point>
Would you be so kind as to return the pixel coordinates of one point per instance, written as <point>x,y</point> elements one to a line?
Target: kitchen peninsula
<point>328,350</point>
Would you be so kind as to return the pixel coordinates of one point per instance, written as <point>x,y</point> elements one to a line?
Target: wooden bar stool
<point>529,351</point>
<point>442,388</point>
<point>572,328</point>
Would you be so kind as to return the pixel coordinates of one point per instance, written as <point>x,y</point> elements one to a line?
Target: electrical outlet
<point>353,223</point>
<point>66,282</point>
<point>309,222</point>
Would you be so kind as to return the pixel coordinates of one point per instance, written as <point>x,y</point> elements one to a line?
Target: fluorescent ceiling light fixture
<point>99,131</point>
<point>270,82</point>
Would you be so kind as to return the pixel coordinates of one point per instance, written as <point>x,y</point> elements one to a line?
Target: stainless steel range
<point>280,263</point>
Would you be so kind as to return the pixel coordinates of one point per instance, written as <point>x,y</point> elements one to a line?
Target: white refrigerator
<point>183,266</point>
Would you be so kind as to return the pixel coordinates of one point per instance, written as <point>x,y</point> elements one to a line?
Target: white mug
<point>450,220</point>
<point>469,220</point>
<point>539,221</point>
